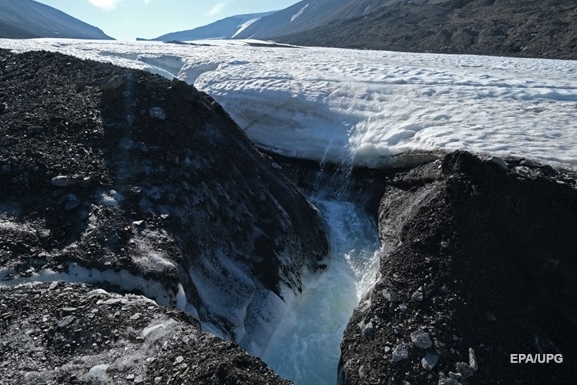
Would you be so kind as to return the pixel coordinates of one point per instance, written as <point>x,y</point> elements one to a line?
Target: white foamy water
<point>380,106</point>
<point>306,345</point>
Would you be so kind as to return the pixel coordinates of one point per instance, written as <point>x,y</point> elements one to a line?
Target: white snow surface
<point>375,108</point>
<point>300,12</point>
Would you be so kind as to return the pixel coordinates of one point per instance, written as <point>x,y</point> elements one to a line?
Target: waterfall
<point>305,347</point>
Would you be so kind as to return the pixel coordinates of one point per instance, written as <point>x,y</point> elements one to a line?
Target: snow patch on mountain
<point>245,25</point>
<point>300,12</point>
<point>226,28</point>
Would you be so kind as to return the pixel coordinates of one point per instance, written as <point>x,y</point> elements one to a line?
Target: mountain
<point>527,28</point>
<point>222,29</point>
<point>24,19</point>
<point>307,15</point>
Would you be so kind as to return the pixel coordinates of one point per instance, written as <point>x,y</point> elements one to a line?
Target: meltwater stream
<point>305,347</point>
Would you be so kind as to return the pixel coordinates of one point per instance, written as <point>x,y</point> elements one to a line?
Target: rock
<point>448,381</point>
<point>65,321</point>
<point>369,329</point>
<point>429,361</point>
<point>3,108</point>
<point>473,363</point>
<point>526,172</point>
<point>421,339</point>
<point>35,129</point>
<point>418,295</point>
<point>71,204</point>
<point>464,369</point>
<point>157,113</point>
<point>499,162</point>
<point>400,353</point>
<point>64,181</point>
<point>455,376</point>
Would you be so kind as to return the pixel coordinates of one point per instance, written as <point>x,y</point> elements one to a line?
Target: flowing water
<point>305,348</point>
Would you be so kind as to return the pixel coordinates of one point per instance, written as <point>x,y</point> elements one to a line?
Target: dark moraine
<point>130,182</point>
<point>480,264</point>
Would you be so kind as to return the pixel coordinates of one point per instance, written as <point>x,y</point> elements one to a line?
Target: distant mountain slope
<point>528,28</point>
<point>309,14</point>
<point>21,19</point>
<point>221,29</point>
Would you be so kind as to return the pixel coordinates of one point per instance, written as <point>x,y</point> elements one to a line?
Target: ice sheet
<point>367,106</point>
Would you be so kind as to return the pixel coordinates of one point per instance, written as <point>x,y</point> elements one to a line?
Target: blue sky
<point>129,19</point>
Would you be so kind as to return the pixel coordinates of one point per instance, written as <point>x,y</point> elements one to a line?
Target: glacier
<point>372,108</point>
<point>362,108</point>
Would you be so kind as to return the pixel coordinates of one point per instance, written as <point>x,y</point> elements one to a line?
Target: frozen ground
<point>368,107</point>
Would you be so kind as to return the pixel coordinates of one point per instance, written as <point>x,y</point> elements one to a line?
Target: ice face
<point>375,107</point>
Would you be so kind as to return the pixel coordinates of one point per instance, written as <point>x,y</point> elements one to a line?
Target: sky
<point>129,19</point>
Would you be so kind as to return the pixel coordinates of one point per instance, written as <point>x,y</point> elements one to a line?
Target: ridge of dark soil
<point>133,183</point>
<point>480,255</point>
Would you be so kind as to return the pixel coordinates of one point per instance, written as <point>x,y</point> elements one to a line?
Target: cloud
<point>105,5</point>
<point>109,5</point>
<point>218,7</point>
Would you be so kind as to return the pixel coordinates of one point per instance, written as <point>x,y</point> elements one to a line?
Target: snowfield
<point>372,108</point>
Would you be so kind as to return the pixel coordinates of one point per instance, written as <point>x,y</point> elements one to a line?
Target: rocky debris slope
<point>525,28</point>
<point>479,264</point>
<point>128,181</point>
<point>61,333</point>
<point>306,15</point>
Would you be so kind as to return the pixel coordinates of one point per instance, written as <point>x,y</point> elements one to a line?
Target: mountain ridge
<point>531,28</point>
<point>225,28</point>
<point>306,15</point>
<point>541,29</point>
<point>28,19</point>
